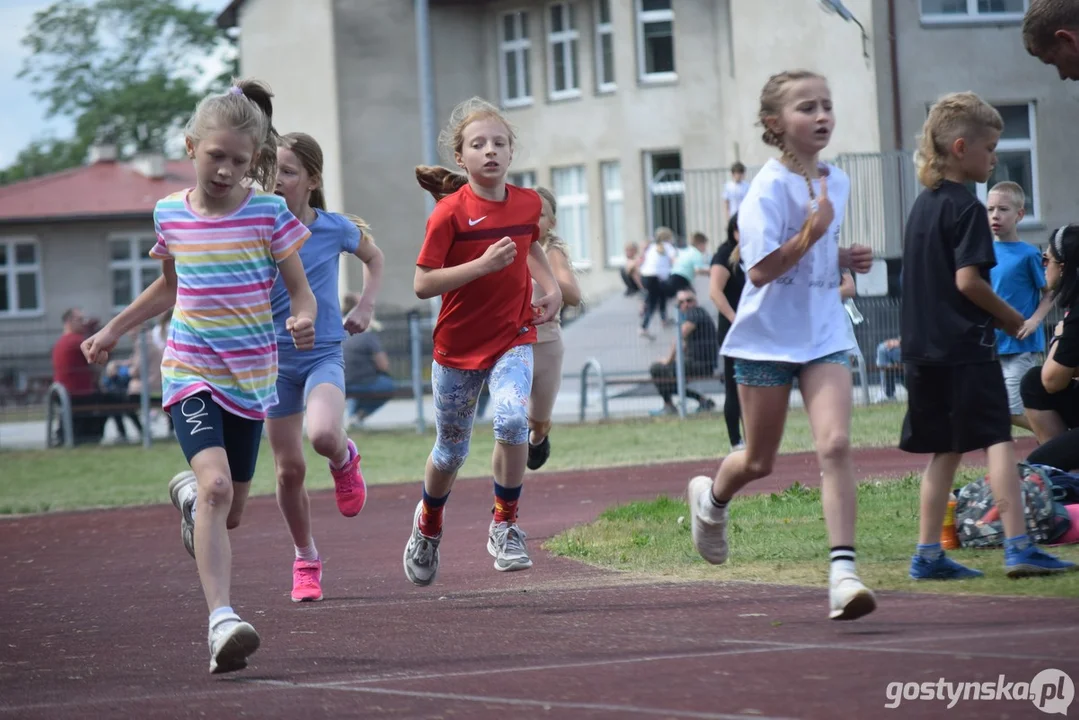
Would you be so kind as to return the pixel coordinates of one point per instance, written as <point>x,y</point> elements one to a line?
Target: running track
<point>103,618</point>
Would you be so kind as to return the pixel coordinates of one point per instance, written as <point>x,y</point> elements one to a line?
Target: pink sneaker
<point>306,581</point>
<point>348,484</point>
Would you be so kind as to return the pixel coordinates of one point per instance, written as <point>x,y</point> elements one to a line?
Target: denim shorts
<point>770,373</point>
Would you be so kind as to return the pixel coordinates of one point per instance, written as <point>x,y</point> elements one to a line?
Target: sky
<point>23,117</point>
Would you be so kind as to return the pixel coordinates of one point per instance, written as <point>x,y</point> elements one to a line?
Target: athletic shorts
<point>770,373</point>
<point>201,424</point>
<point>300,371</point>
<point>955,408</point>
<point>1015,367</point>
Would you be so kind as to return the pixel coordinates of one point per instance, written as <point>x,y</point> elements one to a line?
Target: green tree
<point>131,70</point>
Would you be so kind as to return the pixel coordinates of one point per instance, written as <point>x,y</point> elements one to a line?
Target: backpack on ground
<point>977,519</point>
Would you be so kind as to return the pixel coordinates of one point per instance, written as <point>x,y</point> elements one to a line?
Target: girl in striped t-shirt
<point>222,245</point>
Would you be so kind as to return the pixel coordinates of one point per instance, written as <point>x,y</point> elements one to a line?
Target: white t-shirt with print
<point>799,316</point>
<point>658,260</point>
<point>734,193</point>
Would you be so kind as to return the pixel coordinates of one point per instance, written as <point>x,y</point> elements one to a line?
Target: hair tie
<point>234,90</point>
<point>1057,242</point>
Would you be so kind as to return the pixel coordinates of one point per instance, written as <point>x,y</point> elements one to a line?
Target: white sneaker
<point>421,553</point>
<point>183,490</point>
<point>232,641</point>
<point>850,599</point>
<point>506,544</point>
<point>709,523</point>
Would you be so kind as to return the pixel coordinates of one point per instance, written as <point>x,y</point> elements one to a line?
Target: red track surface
<point>103,617</point>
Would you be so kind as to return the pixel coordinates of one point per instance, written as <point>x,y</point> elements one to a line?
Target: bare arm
<point>382,362</point>
<point>718,278</point>
<point>303,304</point>
<point>432,282</point>
<point>970,282</point>
<point>551,302</point>
<point>373,262</point>
<point>151,302</point>
<point>567,279</point>
<point>846,286</point>
<point>778,262</point>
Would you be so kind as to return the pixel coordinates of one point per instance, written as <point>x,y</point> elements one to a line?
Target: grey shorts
<point>1015,367</point>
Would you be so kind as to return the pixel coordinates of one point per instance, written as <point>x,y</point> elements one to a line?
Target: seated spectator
<point>890,365</point>
<point>631,271</point>
<point>1050,392</point>
<point>700,350</point>
<point>71,370</point>
<point>114,386</point>
<point>367,368</point>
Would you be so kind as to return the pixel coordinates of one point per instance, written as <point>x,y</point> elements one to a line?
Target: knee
<point>233,520</point>
<point>291,473</point>
<point>758,468</point>
<point>511,425</point>
<point>326,441</point>
<point>834,446</point>
<point>657,371</point>
<point>217,490</point>
<point>447,460</point>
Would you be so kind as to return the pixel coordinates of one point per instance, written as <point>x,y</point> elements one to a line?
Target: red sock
<point>505,511</point>
<point>431,520</point>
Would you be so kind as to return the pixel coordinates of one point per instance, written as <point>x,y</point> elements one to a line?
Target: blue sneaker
<point>943,568</point>
<point>1032,560</point>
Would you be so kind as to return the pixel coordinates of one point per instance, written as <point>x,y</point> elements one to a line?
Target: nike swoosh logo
<point>472,222</point>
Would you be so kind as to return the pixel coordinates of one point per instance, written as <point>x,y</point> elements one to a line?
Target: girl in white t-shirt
<point>655,270</point>
<point>791,323</point>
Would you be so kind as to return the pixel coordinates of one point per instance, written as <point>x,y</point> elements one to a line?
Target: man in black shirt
<point>699,348</point>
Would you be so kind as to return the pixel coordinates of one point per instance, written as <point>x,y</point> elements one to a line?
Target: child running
<point>791,323</point>
<point>315,380</point>
<point>1019,280</point>
<point>480,254</point>
<point>548,349</point>
<point>221,244</point>
<point>957,400</point>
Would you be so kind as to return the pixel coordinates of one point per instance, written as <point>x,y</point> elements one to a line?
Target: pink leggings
<point>546,380</point>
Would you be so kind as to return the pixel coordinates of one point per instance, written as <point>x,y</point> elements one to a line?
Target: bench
<point>607,380</point>
<point>59,409</point>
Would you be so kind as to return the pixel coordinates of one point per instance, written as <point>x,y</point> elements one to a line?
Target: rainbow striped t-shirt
<point>222,339</point>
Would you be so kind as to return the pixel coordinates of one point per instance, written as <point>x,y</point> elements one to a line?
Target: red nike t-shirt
<point>483,319</point>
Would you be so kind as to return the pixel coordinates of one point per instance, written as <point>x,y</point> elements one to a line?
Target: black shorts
<point>955,408</point>
<point>1036,397</point>
<point>201,423</point>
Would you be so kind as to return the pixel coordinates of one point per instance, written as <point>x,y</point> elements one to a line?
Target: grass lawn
<point>61,479</point>
<point>780,538</point>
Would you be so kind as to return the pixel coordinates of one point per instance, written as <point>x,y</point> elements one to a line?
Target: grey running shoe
<point>183,489</point>
<point>421,553</point>
<point>506,544</point>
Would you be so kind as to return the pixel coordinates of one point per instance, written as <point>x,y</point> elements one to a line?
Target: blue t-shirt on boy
<point>1018,279</point>
<point>331,235</point>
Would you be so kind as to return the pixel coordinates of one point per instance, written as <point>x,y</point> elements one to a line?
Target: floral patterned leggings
<point>456,392</point>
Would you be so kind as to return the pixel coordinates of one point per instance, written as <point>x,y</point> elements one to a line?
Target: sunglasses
<point>1046,259</point>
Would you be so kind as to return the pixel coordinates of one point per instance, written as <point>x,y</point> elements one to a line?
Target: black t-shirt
<point>948,229</point>
<point>701,344</point>
<point>737,281</point>
<point>1067,353</point>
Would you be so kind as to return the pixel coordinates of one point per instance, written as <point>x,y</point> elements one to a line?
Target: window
<point>515,51</point>
<point>20,277</point>
<point>613,230</point>
<point>562,39</point>
<point>523,178</point>
<point>131,267</point>
<point>570,187</point>
<point>655,40</point>
<point>604,47</point>
<point>1017,159</point>
<point>958,11</point>
<point>666,192</point>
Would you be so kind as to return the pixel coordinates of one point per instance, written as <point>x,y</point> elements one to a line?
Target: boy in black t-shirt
<point>957,400</point>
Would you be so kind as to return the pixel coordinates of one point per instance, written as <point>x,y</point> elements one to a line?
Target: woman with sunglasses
<point>1051,392</point>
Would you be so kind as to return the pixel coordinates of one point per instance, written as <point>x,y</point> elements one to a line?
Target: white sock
<point>218,613</point>
<point>338,463</point>
<point>309,553</point>
<point>842,563</point>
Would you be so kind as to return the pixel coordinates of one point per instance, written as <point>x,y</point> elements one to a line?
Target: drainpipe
<point>893,51</point>
<point>428,127</point>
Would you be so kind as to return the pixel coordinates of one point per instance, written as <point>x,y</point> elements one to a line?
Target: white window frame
<point>613,205</point>
<point>518,49</point>
<point>564,42</point>
<point>579,242</point>
<point>12,272</point>
<point>135,263</point>
<point>653,188</point>
<point>522,178</point>
<point>604,29</point>
<point>972,15</point>
<point>644,18</point>
<point>1028,144</point>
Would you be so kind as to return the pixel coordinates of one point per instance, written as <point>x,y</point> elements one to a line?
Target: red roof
<point>105,188</point>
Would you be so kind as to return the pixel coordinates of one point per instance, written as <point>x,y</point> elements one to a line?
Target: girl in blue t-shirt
<point>314,381</point>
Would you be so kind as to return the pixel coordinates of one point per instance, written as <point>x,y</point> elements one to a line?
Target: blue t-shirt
<point>331,235</point>
<point>1018,279</point>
